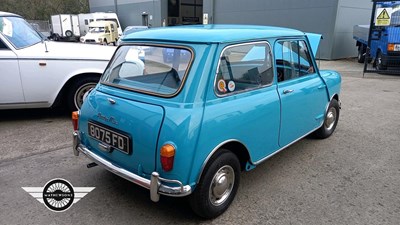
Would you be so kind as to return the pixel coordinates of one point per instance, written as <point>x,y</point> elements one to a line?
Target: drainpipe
<point>116,7</point>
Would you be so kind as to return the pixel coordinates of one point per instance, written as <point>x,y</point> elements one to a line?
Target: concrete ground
<point>353,177</point>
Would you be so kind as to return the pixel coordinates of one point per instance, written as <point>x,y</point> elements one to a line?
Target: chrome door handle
<point>287,91</point>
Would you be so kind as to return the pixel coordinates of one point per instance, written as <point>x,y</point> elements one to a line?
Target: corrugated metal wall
<point>334,19</point>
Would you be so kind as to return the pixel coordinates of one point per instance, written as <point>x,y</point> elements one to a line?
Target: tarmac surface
<point>353,177</point>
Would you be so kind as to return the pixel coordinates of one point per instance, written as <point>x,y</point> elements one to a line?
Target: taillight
<point>167,154</point>
<point>75,117</point>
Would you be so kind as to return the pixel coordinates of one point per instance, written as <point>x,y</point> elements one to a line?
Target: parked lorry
<point>385,37</point>
<point>65,27</point>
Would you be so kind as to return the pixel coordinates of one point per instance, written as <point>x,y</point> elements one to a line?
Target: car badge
<point>110,119</point>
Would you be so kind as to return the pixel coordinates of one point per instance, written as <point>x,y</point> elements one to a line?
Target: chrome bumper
<point>154,184</point>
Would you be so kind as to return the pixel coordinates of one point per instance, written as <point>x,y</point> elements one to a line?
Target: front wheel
<point>361,54</point>
<point>379,63</point>
<point>218,185</point>
<point>330,121</point>
<point>78,90</point>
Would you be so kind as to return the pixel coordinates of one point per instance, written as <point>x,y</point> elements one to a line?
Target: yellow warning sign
<point>383,18</point>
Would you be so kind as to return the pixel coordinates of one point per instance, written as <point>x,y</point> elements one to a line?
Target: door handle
<point>322,86</point>
<point>287,91</point>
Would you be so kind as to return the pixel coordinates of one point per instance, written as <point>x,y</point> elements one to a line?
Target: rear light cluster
<point>75,118</point>
<point>167,154</point>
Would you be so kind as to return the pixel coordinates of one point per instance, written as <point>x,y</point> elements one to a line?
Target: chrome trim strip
<point>284,147</point>
<point>154,184</point>
<point>54,59</point>
<point>23,103</point>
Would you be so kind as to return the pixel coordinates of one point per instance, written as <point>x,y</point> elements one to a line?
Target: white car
<point>37,73</point>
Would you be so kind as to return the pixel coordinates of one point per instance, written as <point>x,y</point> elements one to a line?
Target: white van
<point>86,18</point>
<point>101,32</point>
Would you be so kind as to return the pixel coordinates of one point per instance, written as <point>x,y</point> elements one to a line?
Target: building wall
<point>334,19</point>
<point>130,11</point>
<point>349,13</point>
<point>323,17</point>
<point>102,6</point>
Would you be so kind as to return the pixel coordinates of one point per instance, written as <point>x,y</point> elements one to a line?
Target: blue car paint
<point>196,120</point>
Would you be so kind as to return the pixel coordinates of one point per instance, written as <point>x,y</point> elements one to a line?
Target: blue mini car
<point>230,97</point>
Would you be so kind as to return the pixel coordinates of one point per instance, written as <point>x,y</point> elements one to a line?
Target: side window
<point>3,46</point>
<point>293,59</point>
<point>86,22</point>
<point>244,67</point>
<point>112,27</point>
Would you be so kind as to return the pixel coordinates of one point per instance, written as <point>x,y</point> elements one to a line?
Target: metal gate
<point>42,26</point>
<point>381,54</point>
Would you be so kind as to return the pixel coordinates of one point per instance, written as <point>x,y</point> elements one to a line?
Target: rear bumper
<point>157,185</point>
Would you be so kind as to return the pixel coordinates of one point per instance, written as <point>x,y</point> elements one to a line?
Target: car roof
<point>212,33</point>
<point>101,23</point>
<point>8,14</point>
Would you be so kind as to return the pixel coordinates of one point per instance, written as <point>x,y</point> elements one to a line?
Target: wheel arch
<point>335,96</point>
<point>236,147</point>
<point>64,90</point>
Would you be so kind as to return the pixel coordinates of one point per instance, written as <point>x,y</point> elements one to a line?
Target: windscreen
<point>156,70</point>
<point>19,32</point>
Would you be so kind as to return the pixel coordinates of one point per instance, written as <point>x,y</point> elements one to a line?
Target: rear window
<point>155,70</point>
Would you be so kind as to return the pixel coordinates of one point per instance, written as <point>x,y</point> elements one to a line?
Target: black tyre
<point>78,89</point>
<point>218,185</point>
<point>105,42</point>
<point>330,121</point>
<point>68,33</point>
<point>361,54</point>
<point>378,62</point>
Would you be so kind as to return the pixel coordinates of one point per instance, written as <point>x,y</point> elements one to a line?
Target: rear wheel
<point>77,91</point>
<point>218,185</point>
<point>361,54</point>
<point>68,33</point>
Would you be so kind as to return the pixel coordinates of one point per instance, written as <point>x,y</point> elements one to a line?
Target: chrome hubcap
<point>222,184</point>
<point>330,118</point>
<point>78,97</point>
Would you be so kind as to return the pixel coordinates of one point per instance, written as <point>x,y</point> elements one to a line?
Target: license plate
<point>110,137</point>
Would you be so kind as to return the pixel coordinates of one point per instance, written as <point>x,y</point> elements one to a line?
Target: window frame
<point>2,43</point>
<point>309,58</point>
<point>250,89</point>
<point>178,90</point>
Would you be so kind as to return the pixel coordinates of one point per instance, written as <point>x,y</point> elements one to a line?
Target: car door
<point>302,92</point>
<point>10,86</point>
<point>243,105</point>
